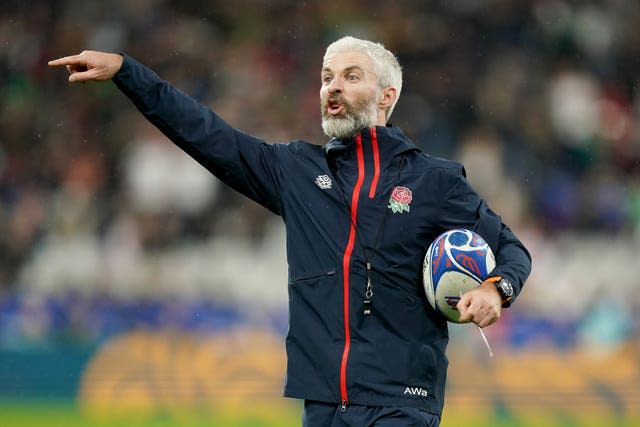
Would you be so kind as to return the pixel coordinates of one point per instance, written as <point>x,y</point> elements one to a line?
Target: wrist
<point>503,288</point>
<point>491,287</point>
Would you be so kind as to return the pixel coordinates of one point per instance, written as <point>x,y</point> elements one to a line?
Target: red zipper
<point>376,162</point>
<point>346,260</point>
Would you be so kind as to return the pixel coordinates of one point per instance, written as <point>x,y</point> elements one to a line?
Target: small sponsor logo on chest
<point>324,182</point>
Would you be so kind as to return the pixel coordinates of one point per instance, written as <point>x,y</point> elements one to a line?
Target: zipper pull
<point>368,293</point>
<point>343,406</point>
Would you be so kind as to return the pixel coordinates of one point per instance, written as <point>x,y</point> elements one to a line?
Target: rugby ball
<point>457,261</point>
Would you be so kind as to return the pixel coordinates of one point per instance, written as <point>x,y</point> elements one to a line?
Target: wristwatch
<point>505,289</point>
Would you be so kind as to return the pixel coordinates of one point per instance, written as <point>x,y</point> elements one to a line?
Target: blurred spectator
<point>539,99</point>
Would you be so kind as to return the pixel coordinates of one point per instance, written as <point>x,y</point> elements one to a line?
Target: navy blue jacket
<point>335,202</point>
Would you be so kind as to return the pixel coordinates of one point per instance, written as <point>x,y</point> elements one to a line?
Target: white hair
<point>385,63</point>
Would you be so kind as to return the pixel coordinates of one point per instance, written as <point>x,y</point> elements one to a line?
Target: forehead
<point>339,61</point>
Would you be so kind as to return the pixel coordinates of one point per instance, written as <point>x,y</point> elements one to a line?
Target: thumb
<point>80,76</point>
<point>84,74</point>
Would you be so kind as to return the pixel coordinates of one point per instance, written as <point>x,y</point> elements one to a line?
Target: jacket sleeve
<point>245,163</point>
<point>464,208</point>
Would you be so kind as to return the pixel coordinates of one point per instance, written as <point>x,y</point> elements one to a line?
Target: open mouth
<point>334,108</point>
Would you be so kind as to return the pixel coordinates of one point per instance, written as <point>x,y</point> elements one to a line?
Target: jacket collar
<point>391,142</point>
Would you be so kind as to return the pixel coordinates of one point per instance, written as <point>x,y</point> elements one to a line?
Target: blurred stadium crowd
<point>105,226</point>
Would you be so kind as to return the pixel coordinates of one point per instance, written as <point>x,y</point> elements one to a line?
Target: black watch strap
<point>504,288</point>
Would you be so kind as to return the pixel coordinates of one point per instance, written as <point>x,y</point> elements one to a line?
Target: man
<point>362,338</point>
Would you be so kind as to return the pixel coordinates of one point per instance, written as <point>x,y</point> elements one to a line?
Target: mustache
<point>339,99</point>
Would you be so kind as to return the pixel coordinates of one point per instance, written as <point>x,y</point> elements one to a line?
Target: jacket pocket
<point>312,278</point>
<point>315,336</point>
<point>400,294</point>
<point>315,306</point>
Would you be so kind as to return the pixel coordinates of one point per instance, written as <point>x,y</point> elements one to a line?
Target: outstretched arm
<point>90,65</point>
<point>246,163</point>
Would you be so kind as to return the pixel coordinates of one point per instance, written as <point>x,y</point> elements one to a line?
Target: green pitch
<point>66,414</point>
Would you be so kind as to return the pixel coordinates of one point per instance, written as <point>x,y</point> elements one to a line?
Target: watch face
<point>505,288</point>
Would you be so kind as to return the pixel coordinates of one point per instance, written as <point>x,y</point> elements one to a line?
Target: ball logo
<point>452,301</point>
<point>468,262</point>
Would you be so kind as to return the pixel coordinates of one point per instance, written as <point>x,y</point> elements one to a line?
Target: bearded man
<point>364,347</point>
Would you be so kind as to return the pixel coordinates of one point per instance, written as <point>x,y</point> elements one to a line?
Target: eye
<point>327,79</point>
<point>352,77</point>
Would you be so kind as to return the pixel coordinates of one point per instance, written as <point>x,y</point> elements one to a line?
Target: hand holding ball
<point>456,262</point>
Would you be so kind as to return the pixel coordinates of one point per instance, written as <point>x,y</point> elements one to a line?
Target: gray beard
<point>353,121</point>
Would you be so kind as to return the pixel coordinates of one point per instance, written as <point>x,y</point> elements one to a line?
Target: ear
<point>387,98</point>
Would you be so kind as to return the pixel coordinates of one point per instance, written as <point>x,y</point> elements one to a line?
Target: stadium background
<point>137,290</point>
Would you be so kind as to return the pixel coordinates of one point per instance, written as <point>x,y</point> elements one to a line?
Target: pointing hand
<point>90,65</point>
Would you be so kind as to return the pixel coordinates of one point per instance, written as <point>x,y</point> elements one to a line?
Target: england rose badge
<point>400,199</point>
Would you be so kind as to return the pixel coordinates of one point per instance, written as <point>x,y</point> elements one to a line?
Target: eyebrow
<point>346,70</point>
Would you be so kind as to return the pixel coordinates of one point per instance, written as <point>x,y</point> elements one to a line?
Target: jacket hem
<point>428,406</point>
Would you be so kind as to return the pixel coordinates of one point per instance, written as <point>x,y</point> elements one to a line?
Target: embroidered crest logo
<point>323,181</point>
<point>400,199</point>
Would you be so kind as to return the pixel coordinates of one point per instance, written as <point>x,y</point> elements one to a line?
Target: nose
<point>335,86</point>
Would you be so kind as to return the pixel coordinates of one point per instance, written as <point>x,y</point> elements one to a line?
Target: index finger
<point>66,60</point>
<point>463,307</point>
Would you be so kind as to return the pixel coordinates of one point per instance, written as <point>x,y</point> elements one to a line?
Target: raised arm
<point>245,163</point>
